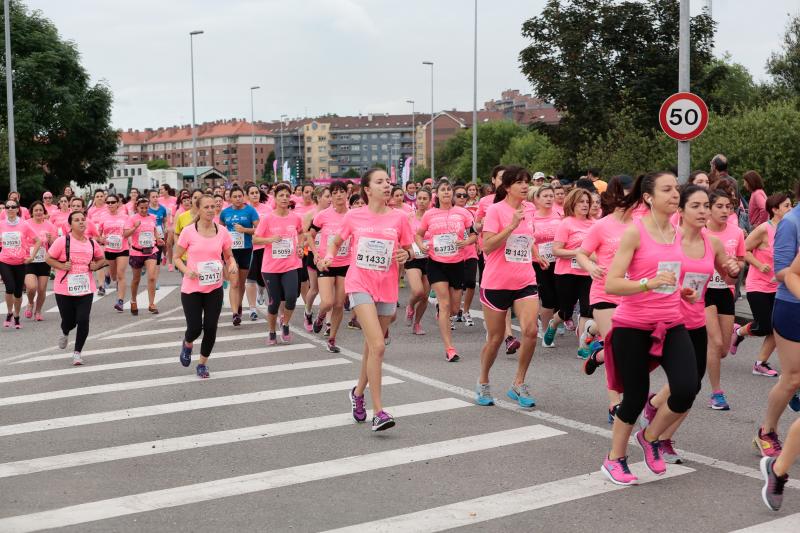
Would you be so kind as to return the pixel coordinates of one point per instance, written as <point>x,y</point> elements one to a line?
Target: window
<point>322,149</point>
<point>308,160</point>
<point>355,148</point>
<point>322,138</point>
<point>384,147</point>
<point>139,173</point>
<point>225,162</point>
<point>235,161</point>
<point>356,137</point>
<point>308,139</point>
<point>308,149</point>
<point>395,135</point>
<point>374,157</point>
<point>126,172</point>
<point>374,136</point>
<point>119,173</point>
<point>323,159</point>
<point>384,136</point>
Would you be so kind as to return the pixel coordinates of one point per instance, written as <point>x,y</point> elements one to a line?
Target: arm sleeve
<point>347,226</point>
<point>405,236</point>
<point>491,222</point>
<point>562,232</point>
<point>183,240</point>
<point>57,249</point>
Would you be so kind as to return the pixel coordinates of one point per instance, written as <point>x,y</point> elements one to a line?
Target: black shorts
<point>112,256</point>
<point>451,273</point>
<point>761,304</point>
<point>419,264</point>
<point>302,274</point>
<point>722,299</point>
<point>334,272</point>
<point>470,273</point>
<point>600,306</point>
<point>503,300</point>
<point>546,281</point>
<point>38,269</point>
<point>254,274</point>
<point>243,257</point>
<point>138,261</point>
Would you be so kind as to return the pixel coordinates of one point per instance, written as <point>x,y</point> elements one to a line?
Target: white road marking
<point>96,298</point>
<point>787,524</point>
<point>4,307</point>
<point>179,329</point>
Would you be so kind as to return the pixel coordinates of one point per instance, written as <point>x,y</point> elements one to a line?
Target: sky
<point>312,57</point>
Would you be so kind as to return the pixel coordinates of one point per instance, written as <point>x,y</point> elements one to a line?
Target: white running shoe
<point>62,341</point>
<point>76,359</point>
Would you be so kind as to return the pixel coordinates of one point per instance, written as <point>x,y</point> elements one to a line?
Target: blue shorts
<point>786,320</point>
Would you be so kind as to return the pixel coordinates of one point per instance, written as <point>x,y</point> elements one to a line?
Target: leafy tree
<point>732,86</point>
<point>785,66</point>
<point>351,173</point>
<point>268,173</point>
<point>421,173</point>
<point>62,128</point>
<point>157,164</point>
<point>494,139</point>
<point>534,151</point>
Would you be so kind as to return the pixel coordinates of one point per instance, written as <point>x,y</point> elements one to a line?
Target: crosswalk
<point>132,441</point>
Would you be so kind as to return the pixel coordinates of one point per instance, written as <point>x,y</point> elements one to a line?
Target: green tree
<point>352,174</point>
<point>785,66</point>
<point>494,139</point>
<point>62,128</point>
<point>732,86</point>
<point>269,175</point>
<point>534,151</point>
<point>421,173</point>
<point>157,164</point>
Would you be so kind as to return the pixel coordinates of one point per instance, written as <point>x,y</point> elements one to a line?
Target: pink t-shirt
<point>756,280</point>
<point>14,239</point>
<point>695,274</point>
<point>142,237</point>
<point>446,226</point>
<point>330,224</point>
<point>112,227</point>
<point>544,231</point>
<point>42,231</point>
<point>301,209</point>
<point>483,206</point>
<point>50,209</point>
<point>204,256</point>
<point>262,210</point>
<point>508,267</point>
<point>603,240</point>
<point>95,213</point>
<point>59,220</point>
<point>280,256</point>
<point>639,211</point>
<point>79,281</point>
<point>470,251</point>
<point>732,239</point>
<point>572,231</point>
<point>559,209</point>
<point>375,239</point>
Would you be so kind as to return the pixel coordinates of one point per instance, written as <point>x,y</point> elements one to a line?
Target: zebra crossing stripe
<point>787,524</point>
<point>271,479</point>
<point>179,329</point>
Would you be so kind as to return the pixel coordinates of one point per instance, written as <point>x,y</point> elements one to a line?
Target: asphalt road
<point>132,441</point>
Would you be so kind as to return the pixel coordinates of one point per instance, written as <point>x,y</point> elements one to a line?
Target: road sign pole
<point>684,148</point>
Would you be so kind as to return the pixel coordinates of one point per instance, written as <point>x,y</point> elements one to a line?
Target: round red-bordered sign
<point>683,116</point>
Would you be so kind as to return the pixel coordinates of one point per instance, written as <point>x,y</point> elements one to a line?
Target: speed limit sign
<point>683,116</point>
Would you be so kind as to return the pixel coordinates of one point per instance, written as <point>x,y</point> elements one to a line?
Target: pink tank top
<point>756,280</point>
<point>696,274</point>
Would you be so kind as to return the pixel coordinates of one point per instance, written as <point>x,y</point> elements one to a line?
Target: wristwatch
<point>643,284</point>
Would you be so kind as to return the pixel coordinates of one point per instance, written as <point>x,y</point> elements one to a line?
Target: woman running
<point>162,224</point>
<point>141,232</point>
<point>761,285</point>
<point>470,264</point>
<point>303,203</point>
<point>241,220</point>
<point>545,223</point>
<point>37,272</point>
<point>254,285</point>
<point>322,199</point>
<point>282,233</point>
<point>59,218</point>
<point>49,206</point>
<point>449,228</point>
<point>355,202</point>
<point>15,254</point>
<point>381,240</point>
<point>75,256</point>
<point>417,268</point>
<point>114,238</point>
<point>206,245</point>
<point>133,197</point>
<point>509,281</point>
<point>719,298</point>
<point>648,326</point>
<point>324,228</point>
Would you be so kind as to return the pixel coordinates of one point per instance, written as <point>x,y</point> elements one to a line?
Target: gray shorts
<point>383,308</point>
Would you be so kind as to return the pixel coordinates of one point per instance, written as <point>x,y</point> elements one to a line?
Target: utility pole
<point>194,126</point>
<point>413,139</point>
<point>12,150</point>
<point>253,130</point>
<point>433,124</point>
<point>684,148</point>
<point>475,102</point>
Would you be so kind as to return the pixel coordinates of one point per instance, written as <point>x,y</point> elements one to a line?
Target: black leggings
<point>761,304</point>
<point>282,287</point>
<point>546,281</point>
<point>75,311</point>
<point>202,311</point>
<point>699,338</point>
<point>13,278</point>
<point>573,288</point>
<point>631,357</point>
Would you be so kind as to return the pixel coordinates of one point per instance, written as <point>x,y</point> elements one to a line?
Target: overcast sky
<point>340,56</point>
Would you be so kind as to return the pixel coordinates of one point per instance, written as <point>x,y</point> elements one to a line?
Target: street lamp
<point>433,126</point>
<point>12,153</point>
<point>194,129</point>
<point>282,176</point>
<point>413,138</point>
<point>253,129</point>
<point>475,101</point>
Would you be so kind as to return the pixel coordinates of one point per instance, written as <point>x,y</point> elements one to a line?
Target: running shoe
<point>331,346</point>
<point>483,394</point>
<point>237,319</point>
<point>584,353</point>
<point>460,316</point>
<point>318,324</point>
<point>767,444</point>
<point>347,304</point>
<point>522,395</point>
<point>202,372</point>
<point>357,406</point>
<point>76,359</point>
<point>170,267</point>
<point>327,332</point>
<point>186,354</point>
<point>452,323</point>
<point>272,340</point>
<point>386,340</point>
<point>718,401</point>
<point>17,323</point>
<point>62,341</point>
<point>101,291</point>
<point>669,454</point>
<point>107,281</point>
<point>763,369</point>
<point>7,321</point>
<point>382,420</point>
<point>652,453</point>
<point>617,471</point>
<point>38,317</point>
<point>119,306</point>
<point>512,345</point>
<point>591,363</point>
<point>154,310</point>
<point>612,413</point>
<point>286,337</point>
<point>402,283</point>
<point>29,312</point>
<point>353,324</point>
<point>308,321</point>
<point>561,329</point>
<point>772,491</point>
<point>794,403</point>
<point>585,338</point>
<point>549,336</point>
<point>417,329</point>
<point>409,315</point>
<point>260,301</point>
<point>649,412</point>
<point>253,315</point>
<point>134,309</point>
<point>451,355</point>
<point>569,324</point>
<point>736,340</point>
<point>468,320</point>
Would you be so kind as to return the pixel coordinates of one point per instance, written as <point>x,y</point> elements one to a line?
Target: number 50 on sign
<point>683,116</point>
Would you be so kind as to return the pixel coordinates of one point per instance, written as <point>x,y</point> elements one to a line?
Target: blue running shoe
<point>522,395</point>
<point>549,335</point>
<point>202,371</point>
<point>186,354</point>
<point>794,403</point>
<point>483,394</point>
<point>718,402</point>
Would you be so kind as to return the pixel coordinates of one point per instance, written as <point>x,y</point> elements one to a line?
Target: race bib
<point>374,254</point>
<point>344,248</point>
<point>238,240</point>
<point>12,239</point>
<point>574,264</point>
<point>546,251</point>
<point>78,284</point>
<point>210,273</point>
<point>696,281</point>
<point>668,266</point>
<point>146,239</point>
<point>39,257</point>
<point>114,243</point>
<point>518,249</point>
<point>717,282</point>
<point>60,232</point>
<point>282,249</point>
<point>444,245</point>
<point>418,252</point>
<point>160,232</point>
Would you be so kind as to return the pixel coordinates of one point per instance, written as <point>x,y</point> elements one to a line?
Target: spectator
<point>758,198</point>
<point>594,175</point>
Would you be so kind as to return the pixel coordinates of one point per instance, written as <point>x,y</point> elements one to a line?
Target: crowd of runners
<point>644,272</point>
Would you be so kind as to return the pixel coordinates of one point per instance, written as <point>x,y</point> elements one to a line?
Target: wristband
<point>643,284</point>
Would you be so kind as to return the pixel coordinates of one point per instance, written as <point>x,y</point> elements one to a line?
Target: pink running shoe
<point>617,471</point>
<point>767,444</point>
<point>17,323</point>
<point>28,312</point>
<point>418,329</point>
<point>648,414</point>
<point>763,369</point>
<point>409,315</point>
<point>38,317</point>
<point>736,340</point>
<point>7,321</point>
<point>652,454</point>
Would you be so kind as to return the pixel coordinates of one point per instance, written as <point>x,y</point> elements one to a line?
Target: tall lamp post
<point>413,138</point>
<point>194,127</point>
<point>253,129</point>
<point>282,176</point>
<point>433,125</point>
<point>475,102</point>
<point>12,152</point>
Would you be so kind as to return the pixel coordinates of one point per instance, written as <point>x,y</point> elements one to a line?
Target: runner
<point>322,199</point>
<point>470,264</point>
<point>651,255</point>
<point>381,239</point>
<point>254,286</point>
<point>133,197</point>
<point>509,281</point>
<point>98,208</point>
<point>59,218</point>
<point>450,229</point>
<point>141,232</point>
<point>162,223</point>
<point>303,203</point>
<point>49,206</point>
<point>324,228</point>
<point>545,223</point>
<point>24,214</point>
<point>355,202</point>
<point>206,245</point>
<point>719,298</point>
<point>281,231</point>
<point>114,238</point>
<point>761,285</point>
<point>17,238</point>
<point>241,220</point>
<point>416,268</point>
<point>74,256</point>
<point>560,196</point>
<point>37,272</point>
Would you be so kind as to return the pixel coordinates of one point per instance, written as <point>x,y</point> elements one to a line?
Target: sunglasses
<point>461,195</point>
<point>111,202</point>
<point>47,197</point>
<point>12,206</point>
